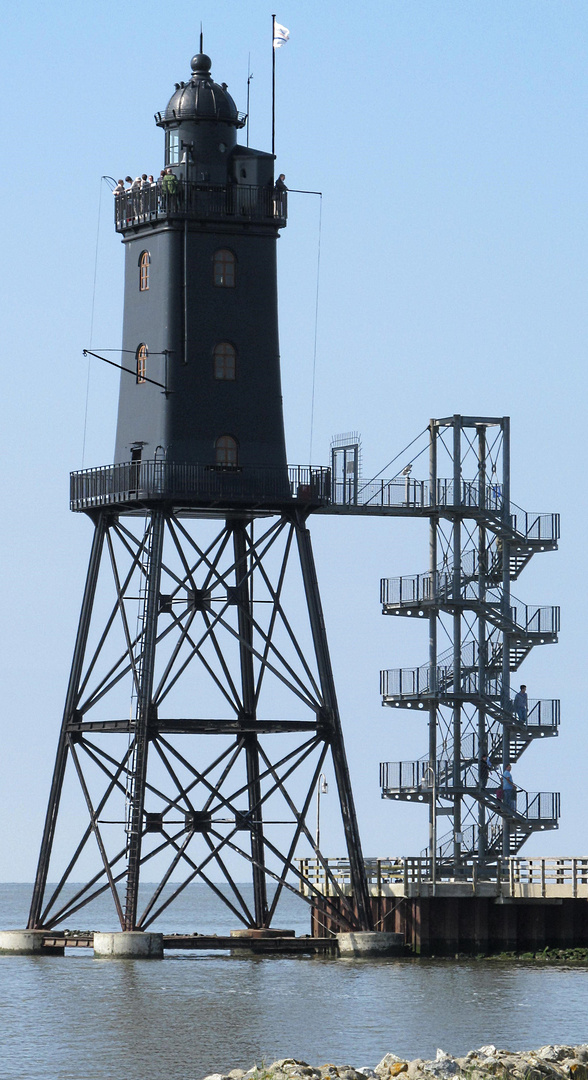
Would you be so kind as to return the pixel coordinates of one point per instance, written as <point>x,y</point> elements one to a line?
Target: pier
<point>520,904</point>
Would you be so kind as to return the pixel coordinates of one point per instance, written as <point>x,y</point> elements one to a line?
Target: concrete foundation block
<point>371,943</point>
<point>128,944</point>
<point>21,942</point>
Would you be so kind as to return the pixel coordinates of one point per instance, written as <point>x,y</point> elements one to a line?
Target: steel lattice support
<point>233,715</point>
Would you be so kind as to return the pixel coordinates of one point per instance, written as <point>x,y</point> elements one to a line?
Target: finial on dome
<point>201,64</point>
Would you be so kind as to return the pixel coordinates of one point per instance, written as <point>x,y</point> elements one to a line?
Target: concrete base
<point>21,942</point>
<point>128,944</point>
<point>370,943</point>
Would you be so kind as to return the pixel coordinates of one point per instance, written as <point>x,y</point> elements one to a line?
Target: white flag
<point>281,35</point>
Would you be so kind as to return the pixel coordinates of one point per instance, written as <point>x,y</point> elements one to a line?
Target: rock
<point>414,1069</point>
<point>487,1063</point>
<point>443,1066</point>
<point>554,1053</point>
<point>383,1068</point>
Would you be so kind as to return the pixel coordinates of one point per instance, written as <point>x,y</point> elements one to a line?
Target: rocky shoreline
<point>547,1063</point>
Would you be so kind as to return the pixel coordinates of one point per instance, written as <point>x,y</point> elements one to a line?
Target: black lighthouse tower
<point>201,606</point>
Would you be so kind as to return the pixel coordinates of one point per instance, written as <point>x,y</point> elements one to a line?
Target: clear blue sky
<point>449,140</point>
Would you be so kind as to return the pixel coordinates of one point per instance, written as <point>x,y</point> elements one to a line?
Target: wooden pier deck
<point>55,943</point>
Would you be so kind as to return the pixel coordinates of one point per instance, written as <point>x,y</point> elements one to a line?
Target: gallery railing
<point>139,482</point>
<point>212,202</point>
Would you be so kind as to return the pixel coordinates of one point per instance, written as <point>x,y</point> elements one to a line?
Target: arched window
<point>225,361</point>
<point>227,450</point>
<point>144,262</point>
<point>142,353</point>
<point>224,263</point>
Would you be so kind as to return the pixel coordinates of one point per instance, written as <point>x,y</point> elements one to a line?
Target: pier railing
<point>516,877</point>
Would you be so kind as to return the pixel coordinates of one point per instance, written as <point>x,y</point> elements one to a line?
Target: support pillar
<point>128,945</point>
<point>457,778</point>
<point>71,702</point>
<point>147,668</point>
<point>370,944</point>
<point>245,618</point>
<point>22,942</point>
<point>317,624</point>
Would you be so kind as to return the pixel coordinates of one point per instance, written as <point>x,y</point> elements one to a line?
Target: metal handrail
<point>133,482</point>
<point>236,202</point>
<point>416,776</point>
<point>438,586</point>
<point>418,494</point>
<point>413,775</point>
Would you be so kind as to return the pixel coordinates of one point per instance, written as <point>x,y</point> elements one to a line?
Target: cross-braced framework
<point>232,714</point>
<point>479,633</point>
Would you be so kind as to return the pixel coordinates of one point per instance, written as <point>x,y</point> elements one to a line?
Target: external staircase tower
<point>200,558</point>
<point>479,635</point>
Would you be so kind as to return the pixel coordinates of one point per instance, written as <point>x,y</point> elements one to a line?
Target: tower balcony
<point>201,202</point>
<point>132,485</point>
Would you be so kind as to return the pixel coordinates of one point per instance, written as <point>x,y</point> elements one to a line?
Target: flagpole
<point>249,77</point>
<point>273,86</point>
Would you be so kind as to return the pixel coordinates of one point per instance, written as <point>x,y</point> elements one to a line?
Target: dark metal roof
<point>200,98</point>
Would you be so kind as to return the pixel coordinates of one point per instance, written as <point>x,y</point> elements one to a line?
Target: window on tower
<point>225,361</point>
<point>226,450</point>
<point>224,264</point>
<point>173,148</point>
<point>142,352</point>
<point>144,262</point>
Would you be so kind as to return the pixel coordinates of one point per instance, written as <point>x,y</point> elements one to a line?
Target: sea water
<point>76,1018</point>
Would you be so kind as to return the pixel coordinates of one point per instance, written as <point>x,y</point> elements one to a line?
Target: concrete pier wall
<point>445,925</point>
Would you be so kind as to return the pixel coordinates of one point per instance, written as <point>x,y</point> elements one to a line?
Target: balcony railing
<point>201,485</point>
<point>209,202</point>
<point>415,590</point>
<point>414,775</point>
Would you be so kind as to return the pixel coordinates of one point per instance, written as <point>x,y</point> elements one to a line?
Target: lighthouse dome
<point>201,98</point>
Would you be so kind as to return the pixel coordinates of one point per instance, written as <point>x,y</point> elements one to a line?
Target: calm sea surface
<point>76,1018</point>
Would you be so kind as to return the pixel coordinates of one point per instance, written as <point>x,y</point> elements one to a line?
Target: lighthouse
<point>200,310</point>
<point>189,625</point>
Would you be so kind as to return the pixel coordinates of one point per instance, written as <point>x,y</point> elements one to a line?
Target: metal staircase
<point>479,542</point>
